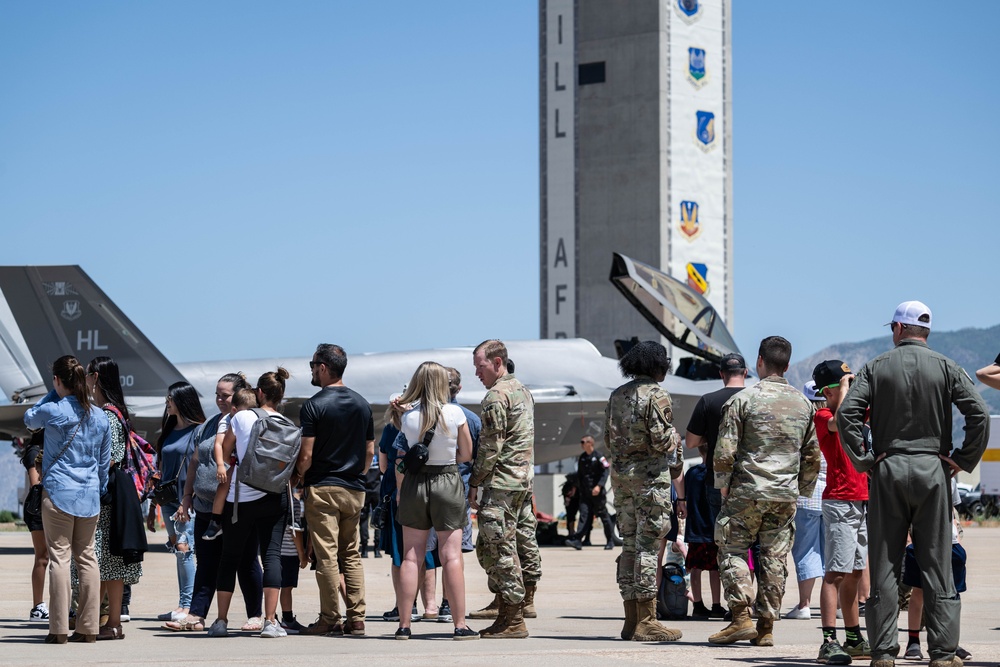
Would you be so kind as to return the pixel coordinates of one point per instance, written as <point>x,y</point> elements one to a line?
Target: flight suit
<point>593,470</point>
<point>910,391</point>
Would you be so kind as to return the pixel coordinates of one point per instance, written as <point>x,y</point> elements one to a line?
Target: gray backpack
<point>271,453</point>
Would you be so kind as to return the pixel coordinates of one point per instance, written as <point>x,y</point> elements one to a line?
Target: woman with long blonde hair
<point>434,496</point>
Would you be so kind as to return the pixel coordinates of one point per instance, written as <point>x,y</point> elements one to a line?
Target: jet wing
<point>678,312</point>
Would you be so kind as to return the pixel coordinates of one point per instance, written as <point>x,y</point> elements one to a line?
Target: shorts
<point>702,556</point>
<point>433,498</point>
<point>808,545</point>
<point>289,571</point>
<point>911,570</point>
<point>846,526</point>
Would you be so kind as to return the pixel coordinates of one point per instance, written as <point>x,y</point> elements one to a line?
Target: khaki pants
<point>65,536</point>
<point>333,514</point>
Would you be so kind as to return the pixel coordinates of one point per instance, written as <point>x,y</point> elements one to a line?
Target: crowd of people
<point>854,459</point>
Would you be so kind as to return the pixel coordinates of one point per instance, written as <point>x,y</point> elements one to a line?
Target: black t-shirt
<point>31,453</point>
<point>699,527</point>
<point>341,421</point>
<point>706,419</point>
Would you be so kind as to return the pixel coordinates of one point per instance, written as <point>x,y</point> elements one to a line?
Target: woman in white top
<point>260,513</point>
<point>433,497</point>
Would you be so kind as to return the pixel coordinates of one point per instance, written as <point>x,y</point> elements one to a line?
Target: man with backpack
<point>338,443</point>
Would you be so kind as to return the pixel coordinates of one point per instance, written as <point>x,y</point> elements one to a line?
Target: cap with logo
<point>809,389</point>
<point>828,373</point>
<point>911,312</point>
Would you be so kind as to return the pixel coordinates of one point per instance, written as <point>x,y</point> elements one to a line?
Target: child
<point>293,559</point>
<point>244,399</point>
<point>699,533</point>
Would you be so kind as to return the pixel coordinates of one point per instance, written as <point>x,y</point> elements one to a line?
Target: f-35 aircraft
<point>49,311</point>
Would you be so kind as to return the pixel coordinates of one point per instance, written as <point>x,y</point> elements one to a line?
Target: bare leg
<point>115,589</point>
<point>427,591</point>
<point>695,584</point>
<point>916,610</point>
<point>805,592</point>
<point>452,566</point>
<point>414,550</point>
<point>285,597</point>
<point>715,583</point>
<point>39,567</point>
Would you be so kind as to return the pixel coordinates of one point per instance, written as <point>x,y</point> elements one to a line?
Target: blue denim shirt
<point>76,481</point>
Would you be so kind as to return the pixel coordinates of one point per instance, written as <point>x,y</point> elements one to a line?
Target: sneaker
<point>832,653</point>
<point>799,613</point>
<point>414,614</point>
<point>391,615</point>
<point>272,630</point>
<point>699,610</point>
<point>403,633</point>
<point>219,629</point>
<point>465,633</point>
<point>913,652</point>
<point>292,627</point>
<point>963,654</point>
<point>172,616</point>
<point>40,612</point>
<point>444,612</point>
<point>859,650</point>
<point>213,531</point>
<point>717,611</point>
<point>125,618</point>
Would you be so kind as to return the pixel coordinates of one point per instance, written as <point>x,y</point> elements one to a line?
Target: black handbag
<point>33,501</point>
<point>416,455</point>
<point>162,493</point>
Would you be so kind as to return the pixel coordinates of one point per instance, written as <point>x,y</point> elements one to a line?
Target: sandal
<point>253,624</point>
<point>187,624</point>
<point>110,632</point>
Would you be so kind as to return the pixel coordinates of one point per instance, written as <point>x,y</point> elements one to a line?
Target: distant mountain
<point>970,348</point>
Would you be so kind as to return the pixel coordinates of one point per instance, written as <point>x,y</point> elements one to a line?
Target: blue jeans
<point>185,559</point>
<point>807,547</point>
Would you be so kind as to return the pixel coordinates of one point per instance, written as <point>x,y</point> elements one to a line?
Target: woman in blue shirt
<point>174,449</point>
<point>75,462</point>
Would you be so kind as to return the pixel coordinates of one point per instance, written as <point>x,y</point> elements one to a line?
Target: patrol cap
<point>732,363</point>
<point>828,373</point>
<point>809,389</point>
<point>910,312</point>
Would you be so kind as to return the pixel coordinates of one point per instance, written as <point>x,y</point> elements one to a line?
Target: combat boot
<point>529,601</point>
<point>500,620</point>
<point>741,627</point>
<point>765,632</point>
<point>489,611</point>
<point>630,620</point>
<point>510,623</point>
<point>647,628</point>
<point>953,661</point>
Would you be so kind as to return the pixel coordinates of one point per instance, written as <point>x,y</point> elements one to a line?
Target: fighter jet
<point>50,311</point>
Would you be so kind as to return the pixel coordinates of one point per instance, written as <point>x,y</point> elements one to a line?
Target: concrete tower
<point>636,146</point>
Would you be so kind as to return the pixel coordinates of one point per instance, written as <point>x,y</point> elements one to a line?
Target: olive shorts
<point>433,498</point>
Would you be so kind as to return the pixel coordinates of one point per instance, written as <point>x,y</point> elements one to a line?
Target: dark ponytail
<point>74,377</point>
<point>109,381</point>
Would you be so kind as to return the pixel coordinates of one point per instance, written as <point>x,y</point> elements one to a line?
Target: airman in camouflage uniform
<point>507,547</point>
<point>644,450</point>
<point>766,457</point>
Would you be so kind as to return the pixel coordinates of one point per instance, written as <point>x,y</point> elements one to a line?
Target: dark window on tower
<point>591,73</point>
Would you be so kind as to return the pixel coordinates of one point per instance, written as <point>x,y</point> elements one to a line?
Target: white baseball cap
<point>910,312</point>
<point>809,389</point>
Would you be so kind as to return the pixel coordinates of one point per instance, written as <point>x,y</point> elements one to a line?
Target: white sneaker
<point>272,630</point>
<point>40,612</point>
<point>799,613</point>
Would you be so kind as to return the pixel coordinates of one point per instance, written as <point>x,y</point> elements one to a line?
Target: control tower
<point>636,157</point>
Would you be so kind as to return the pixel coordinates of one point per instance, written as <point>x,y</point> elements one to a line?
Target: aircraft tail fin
<point>49,311</point>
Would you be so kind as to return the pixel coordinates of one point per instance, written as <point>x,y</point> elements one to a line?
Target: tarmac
<point>579,618</point>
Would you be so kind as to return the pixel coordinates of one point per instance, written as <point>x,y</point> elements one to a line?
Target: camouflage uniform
<point>768,456</point>
<point>644,449</point>
<point>505,466</point>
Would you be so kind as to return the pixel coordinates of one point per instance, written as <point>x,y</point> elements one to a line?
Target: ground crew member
<point>766,457</point>
<point>592,474</point>
<point>507,547</point>
<point>909,391</point>
<point>645,455</point>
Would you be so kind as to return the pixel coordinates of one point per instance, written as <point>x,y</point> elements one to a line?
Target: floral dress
<point>112,567</point>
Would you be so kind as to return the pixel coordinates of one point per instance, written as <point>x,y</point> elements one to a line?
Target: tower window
<point>591,73</point>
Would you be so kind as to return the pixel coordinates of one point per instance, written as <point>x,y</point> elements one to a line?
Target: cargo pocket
<point>722,530</point>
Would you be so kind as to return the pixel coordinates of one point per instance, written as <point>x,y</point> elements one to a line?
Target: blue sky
<point>372,168</point>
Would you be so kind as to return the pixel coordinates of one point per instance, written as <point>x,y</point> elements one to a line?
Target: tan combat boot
<point>489,611</point>
<point>741,627</point>
<point>510,623</point>
<point>647,628</point>
<point>501,618</point>
<point>954,661</point>
<point>630,620</point>
<point>529,601</point>
<point>765,632</point>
